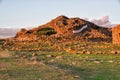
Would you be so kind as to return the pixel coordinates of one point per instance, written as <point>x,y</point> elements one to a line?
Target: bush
<point>46,31</point>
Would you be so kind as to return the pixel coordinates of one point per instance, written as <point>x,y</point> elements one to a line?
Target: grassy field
<point>59,66</point>
<point>62,62</point>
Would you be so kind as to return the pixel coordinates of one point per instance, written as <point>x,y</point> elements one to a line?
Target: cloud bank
<point>104,22</point>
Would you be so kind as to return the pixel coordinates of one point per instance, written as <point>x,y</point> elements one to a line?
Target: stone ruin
<point>116,35</point>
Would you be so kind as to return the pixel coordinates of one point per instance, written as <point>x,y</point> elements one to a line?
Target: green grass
<point>53,62</point>
<point>60,66</point>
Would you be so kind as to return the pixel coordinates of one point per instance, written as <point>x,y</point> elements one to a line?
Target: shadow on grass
<point>78,72</point>
<point>90,73</point>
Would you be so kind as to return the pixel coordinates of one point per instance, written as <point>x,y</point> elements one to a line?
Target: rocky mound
<point>66,28</point>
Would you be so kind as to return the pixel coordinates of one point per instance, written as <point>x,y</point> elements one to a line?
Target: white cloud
<point>104,22</point>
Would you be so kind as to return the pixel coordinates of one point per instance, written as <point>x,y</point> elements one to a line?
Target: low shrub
<point>46,31</point>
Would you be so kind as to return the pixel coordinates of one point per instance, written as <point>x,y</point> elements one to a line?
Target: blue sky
<point>30,13</point>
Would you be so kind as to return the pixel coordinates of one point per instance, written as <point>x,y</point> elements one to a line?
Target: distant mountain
<point>64,28</point>
<point>8,32</point>
<point>104,21</point>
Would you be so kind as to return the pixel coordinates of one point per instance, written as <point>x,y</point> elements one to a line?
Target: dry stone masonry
<point>116,35</point>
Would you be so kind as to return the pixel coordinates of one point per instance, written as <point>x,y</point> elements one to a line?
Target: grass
<point>26,70</point>
<point>61,66</point>
<point>55,63</point>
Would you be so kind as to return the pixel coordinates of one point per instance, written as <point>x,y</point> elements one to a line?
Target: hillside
<point>64,28</point>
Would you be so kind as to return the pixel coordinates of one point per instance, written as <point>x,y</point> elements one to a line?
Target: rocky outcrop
<point>65,27</point>
<point>24,34</point>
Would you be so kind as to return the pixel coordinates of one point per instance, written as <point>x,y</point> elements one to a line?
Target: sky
<point>32,13</point>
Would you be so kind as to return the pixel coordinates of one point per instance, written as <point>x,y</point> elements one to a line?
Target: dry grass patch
<point>5,54</point>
